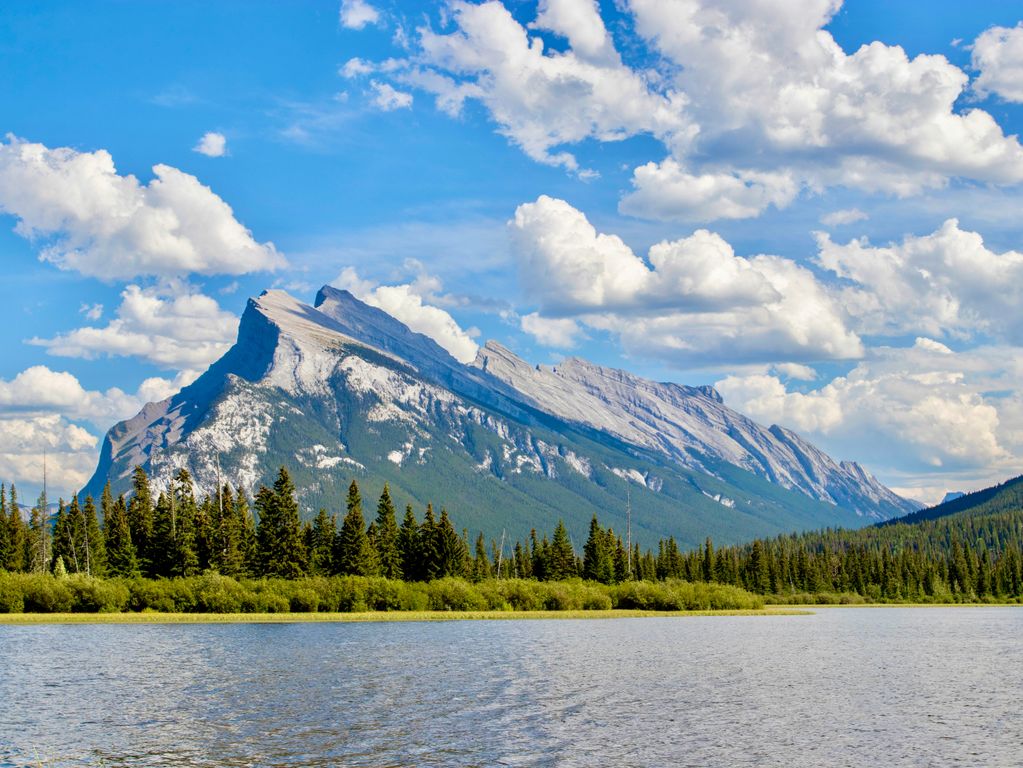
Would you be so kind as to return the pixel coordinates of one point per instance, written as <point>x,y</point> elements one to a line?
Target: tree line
<point>959,557</point>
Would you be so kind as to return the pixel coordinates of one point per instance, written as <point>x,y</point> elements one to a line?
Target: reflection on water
<point>844,687</point>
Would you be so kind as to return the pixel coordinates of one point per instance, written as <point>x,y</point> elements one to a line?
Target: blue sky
<point>812,205</point>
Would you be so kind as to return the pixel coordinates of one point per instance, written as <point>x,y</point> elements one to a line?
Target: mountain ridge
<point>343,390</point>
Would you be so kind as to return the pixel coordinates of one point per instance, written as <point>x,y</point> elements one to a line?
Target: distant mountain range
<point>341,391</point>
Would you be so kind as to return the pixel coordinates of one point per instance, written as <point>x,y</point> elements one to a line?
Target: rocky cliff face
<point>342,390</point>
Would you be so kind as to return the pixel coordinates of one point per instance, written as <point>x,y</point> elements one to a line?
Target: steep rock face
<point>691,425</point>
<point>344,391</point>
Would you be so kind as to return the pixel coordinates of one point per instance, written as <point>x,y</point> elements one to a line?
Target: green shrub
<point>90,595</point>
<point>304,601</point>
<point>11,600</point>
<point>43,593</point>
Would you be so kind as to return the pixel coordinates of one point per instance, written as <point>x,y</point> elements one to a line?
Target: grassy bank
<point>212,593</point>
<point>18,619</point>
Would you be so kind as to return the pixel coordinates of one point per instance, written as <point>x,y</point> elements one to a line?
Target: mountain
<point>342,390</point>
<point>998,499</point>
<point>952,496</point>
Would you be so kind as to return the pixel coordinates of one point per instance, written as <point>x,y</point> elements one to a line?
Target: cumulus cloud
<point>543,99</point>
<point>998,57</point>
<point>666,191</point>
<point>408,304</point>
<point>356,14</point>
<point>212,144</point>
<point>172,324</point>
<point>919,412</point>
<point>557,332</point>
<point>696,302</point>
<point>99,223</point>
<point>753,101</point>
<point>946,283</point>
<point>70,451</point>
<point>388,98</point>
<point>39,409</point>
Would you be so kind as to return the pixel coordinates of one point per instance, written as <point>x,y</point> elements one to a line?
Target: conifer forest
<point>146,550</point>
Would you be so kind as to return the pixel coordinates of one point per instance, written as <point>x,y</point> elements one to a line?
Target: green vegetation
<point>212,593</point>
<point>182,554</point>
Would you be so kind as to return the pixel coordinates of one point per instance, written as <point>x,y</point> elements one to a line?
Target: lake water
<point>844,687</point>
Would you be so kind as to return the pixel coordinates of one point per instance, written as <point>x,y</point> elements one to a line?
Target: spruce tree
<point>429,546</point>
<point>321,544</point>
<point>282,552</point>
<point>185,560</point>
<point>17,534</point>
<point>354,555</point>
<point>597,560</point>
<point>5,529</point>
<point>561,560</point>
<point>408,547</point>
<point>92,537</point>
<point>120,551</point>
<point>451,549</point>
<point>140,520</point>
<point>227,556</point>
<point>248,540</point>
<point>63,535</point>
<point>163,546</point>
<point>39,553</point>
<point>385,537</point>
<point>480,562</point>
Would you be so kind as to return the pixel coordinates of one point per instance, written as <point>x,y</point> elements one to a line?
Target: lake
<point>844,687</point>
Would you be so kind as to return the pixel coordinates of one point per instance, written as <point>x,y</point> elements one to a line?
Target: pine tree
<point>5,529</point>
<point>561,560</point>
<point>17,534</point>
<point>227,556</point>
<point>480,562</point>
<point>279,533</point>
<point>354,555</point>
<point>598,564</point>
<point>39,545</point>
<point>63,534</point>
<point>248,540</point>
<point>429,546</point>
<point>708,560</point>
<point>120,551</point>
<point>92,537</point>
<point>321,544</point>
<point>385,537</point>
<point>163,546</point>
<point>140,520</point>
<point>205,535</point>
<point>408,547</point>
<point>451,550</point>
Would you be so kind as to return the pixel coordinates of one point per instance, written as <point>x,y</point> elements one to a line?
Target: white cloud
<point>557,332</point>
<point>766,82</point>
<point>697,301</point>
<point>542,99</point>
<point>172,325</point>
<point>753,101</point>
<point>406,303</point>
<point>998,56</point>
<point>945,283</point>
<point>356,14</point>
<point>666,191</point>
<point>38,411</point>
<point>97,222</point>
<point>922,414</point>
<point>388,98</point>
<point>843,217</point>
<point>70,450</point>
<point>795,371</point>
<point>212,144</point>
<point>356,67</point>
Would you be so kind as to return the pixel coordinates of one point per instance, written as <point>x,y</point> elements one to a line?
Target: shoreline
<point>26,619</point>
